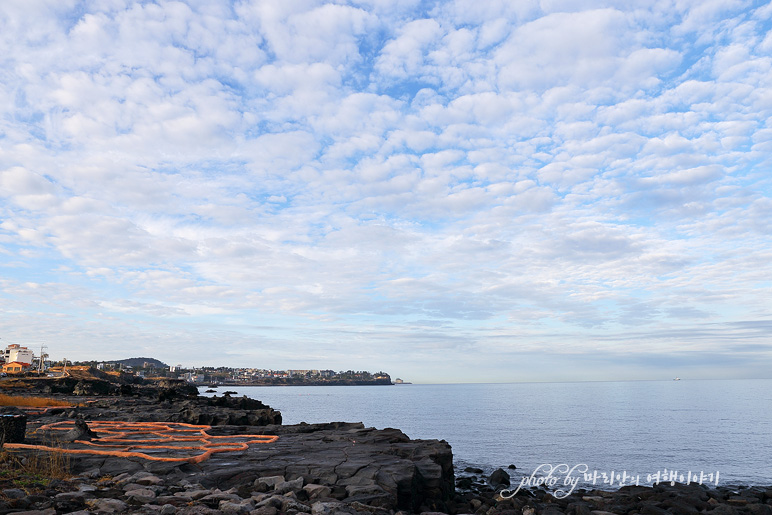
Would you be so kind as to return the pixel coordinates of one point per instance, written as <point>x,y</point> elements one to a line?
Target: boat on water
<point>677,379</point>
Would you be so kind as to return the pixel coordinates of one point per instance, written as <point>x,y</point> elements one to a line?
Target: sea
<point>600,434</point>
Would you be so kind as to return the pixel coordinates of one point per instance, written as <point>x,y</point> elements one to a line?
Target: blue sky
<point>449,191</point>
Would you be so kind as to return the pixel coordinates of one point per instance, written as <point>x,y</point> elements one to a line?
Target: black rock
<point>13,493</point>
<point>580,508</point>
<point>12,428</point>
<point>499,478</point>
<point>464,483</point>
<point>81,431</point>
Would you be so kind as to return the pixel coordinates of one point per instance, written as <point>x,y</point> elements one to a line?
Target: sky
<point>448,191</point>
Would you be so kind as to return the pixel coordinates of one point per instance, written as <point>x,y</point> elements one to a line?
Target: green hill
<point>140,362</point>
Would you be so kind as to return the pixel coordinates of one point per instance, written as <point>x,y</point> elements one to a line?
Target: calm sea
<point>640,428</point>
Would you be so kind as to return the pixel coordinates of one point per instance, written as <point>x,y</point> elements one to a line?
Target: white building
<point>15,352</point>
<point>192,377</point>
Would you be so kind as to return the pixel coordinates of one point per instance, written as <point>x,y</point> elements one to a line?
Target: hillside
<point>140,362</point>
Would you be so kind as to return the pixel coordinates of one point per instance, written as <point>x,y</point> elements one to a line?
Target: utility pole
<point>43,356</point>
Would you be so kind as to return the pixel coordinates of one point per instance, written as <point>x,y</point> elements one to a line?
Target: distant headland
<point>228,376</point>
<point>202,376</point>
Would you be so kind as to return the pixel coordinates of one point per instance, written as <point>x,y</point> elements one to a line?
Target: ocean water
<point>721,427</point>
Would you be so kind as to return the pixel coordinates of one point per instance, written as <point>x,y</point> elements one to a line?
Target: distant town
<point>16,360</point>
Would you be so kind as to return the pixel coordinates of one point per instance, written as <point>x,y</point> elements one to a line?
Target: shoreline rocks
<point>141,491</point>
<point>331,468</point>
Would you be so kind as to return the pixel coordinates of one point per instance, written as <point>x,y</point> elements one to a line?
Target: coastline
<point>280,382</point>
<point>638,427</point>
<point>338,467</point>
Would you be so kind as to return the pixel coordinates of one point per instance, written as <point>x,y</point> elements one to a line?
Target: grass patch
<point>35,402</point>
<point>32,471</point>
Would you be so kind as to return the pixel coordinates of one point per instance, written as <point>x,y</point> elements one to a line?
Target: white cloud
<point>577,48</point>
<point>477,178</point>
<point>19,181</point>
<point>406,55</point>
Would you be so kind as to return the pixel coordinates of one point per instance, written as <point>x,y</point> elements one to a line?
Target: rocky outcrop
<point>316,466</point>
<point>216,416</point>
<point>142,491</point>
<point>174,407</point>
<point>381,468</point>
<point>13,427</point>
<point>81,431</point>
<point>94,382</point>
<point>332,468</point>
<point>93,387</point>
<point>311,468</point>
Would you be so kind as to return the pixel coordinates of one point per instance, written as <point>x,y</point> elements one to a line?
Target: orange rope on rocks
<point>42,410</point>
<point>123,437</point>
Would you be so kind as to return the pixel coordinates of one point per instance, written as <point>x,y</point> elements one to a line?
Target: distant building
<point>296,373</point>
<point>398,381</point>
<point>19,354</point>
<point>15,367</point>
<point>192,377</point>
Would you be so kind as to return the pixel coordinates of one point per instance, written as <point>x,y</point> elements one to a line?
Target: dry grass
<point>35,467</point>
<point>36,402</point>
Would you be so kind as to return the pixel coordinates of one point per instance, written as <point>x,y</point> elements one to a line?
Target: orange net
<point>158,441</point>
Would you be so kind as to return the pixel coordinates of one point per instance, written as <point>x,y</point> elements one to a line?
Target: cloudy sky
<point>449,191</point>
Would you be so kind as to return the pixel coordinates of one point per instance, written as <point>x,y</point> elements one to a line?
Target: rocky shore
<point>330,468</point>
